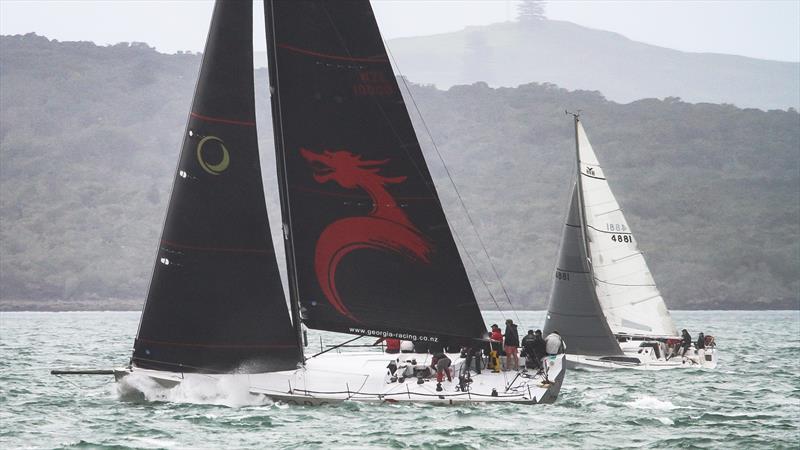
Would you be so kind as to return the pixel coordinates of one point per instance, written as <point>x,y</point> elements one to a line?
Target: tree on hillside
<point>531,10</point>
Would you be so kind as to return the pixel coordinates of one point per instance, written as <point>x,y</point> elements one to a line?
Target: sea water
<point>752,400</point>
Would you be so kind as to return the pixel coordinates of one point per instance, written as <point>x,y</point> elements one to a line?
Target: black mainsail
<point>215,302</point>
<point>368,245</point>
<point>574,310</point>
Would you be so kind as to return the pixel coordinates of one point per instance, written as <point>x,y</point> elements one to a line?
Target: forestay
<point>369,248</point>
<point>573,309</point>
<point>625,288</point>
<point>215,302</point>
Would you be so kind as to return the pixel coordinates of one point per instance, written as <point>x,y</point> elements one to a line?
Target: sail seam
<point>626,285</point>
<point>616,260</point>
<point>590,176</point>
<point>605,212</point>
<point>609,232</point>
<point>646,299</point>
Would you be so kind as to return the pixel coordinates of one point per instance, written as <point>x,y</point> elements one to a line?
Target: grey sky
<point>761,29</point>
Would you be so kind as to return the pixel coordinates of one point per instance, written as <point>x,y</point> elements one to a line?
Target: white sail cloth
<point>625,288</point>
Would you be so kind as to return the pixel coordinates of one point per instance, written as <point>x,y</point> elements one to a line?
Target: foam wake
<point>229,391</point>
<point>648,402</point>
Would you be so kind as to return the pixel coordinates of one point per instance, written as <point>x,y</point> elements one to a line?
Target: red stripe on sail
<point>190,344</point>
<point>222,120</point>
<point>372,59</point>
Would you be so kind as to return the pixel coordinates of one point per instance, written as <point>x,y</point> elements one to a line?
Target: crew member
<point>473,354</point>
<point>442,364</point>
<point>511,344</point>
<point>527,344</point>
<point>701,342</point>
<point>392,344</point>
<point>539,348</point>
<point>554,344</point>
<point>496,338</point>
<point>686,341</point>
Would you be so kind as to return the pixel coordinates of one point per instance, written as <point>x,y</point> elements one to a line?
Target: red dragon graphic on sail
<point>385,228</point>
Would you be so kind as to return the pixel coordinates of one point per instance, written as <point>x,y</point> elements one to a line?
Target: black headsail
<point>215,302</point>
<point>369,247</point>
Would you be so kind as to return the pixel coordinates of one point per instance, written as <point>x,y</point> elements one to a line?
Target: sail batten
<point>371,249</point>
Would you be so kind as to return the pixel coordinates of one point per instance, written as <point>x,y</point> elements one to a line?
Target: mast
<point>280,165</point>
<point>581,207</point>
<point>573,308</point>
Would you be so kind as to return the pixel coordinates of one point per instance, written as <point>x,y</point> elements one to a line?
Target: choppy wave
<point>750,401</point>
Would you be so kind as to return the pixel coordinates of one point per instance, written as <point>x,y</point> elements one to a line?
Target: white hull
<point>703,359</point>
<point>362,376</point>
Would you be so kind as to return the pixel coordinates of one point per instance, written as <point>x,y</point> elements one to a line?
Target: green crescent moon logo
<point>213,169</point>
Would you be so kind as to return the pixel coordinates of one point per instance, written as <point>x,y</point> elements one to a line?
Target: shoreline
<point>118,305</point>
<point>70,305</point>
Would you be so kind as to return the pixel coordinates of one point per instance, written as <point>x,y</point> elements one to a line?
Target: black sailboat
<point>369,250</point>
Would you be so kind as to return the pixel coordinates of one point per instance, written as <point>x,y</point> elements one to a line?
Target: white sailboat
<point>369,251</point>
<point>604,300</point>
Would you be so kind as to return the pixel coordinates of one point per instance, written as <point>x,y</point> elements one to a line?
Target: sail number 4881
<point>621,238</point>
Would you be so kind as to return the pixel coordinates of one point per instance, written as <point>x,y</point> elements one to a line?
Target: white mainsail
<point>625,288</point>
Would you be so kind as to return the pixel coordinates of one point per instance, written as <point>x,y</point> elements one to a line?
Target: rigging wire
<point>452,182</point>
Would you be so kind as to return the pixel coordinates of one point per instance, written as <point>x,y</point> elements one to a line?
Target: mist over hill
<point>89,137</point>
<point>576,57</point>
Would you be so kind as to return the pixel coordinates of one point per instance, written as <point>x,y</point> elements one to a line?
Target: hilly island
<point>89,137</point>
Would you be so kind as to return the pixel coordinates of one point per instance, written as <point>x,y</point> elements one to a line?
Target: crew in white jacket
<point>554,344</point>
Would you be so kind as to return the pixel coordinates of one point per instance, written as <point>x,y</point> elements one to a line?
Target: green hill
<point>89,137</point>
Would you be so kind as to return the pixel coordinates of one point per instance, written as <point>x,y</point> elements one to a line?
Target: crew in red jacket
<point>392,344</point>
<point>497,338</point>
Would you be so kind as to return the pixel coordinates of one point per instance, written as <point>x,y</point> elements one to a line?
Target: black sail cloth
<point>369,247</point>
<point>215,302</point>
<point>574,310</point>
